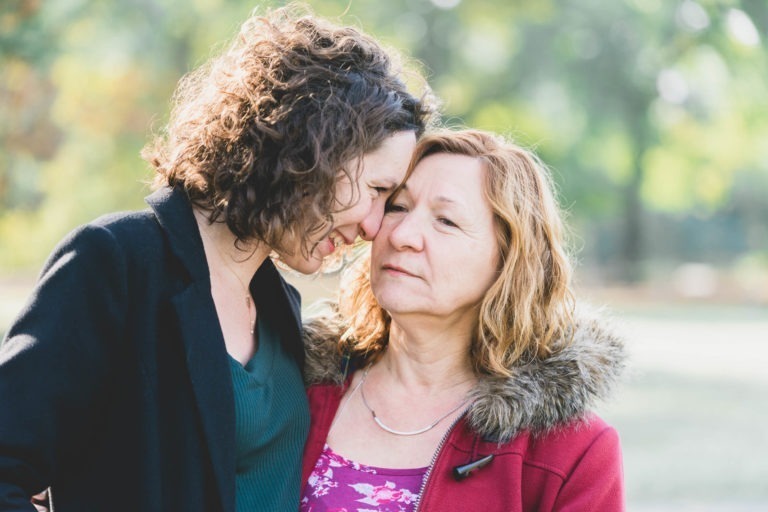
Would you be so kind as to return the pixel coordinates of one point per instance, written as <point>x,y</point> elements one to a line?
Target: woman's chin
<point>303,265</point>
<point>309,267</point>
<point>397,304</point>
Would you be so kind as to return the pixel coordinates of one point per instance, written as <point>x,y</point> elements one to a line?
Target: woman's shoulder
<point>111,243</point>
<point>580,431</point>
<point>106,231</point>
<point>117,227</point>
<point>563,448</point>
<point>130,226</point>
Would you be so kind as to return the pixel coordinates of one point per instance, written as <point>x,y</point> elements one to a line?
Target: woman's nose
<point>370,225</point>
<point>406,232</point>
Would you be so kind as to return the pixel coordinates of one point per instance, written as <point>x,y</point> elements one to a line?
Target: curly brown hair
<point>259,135</point>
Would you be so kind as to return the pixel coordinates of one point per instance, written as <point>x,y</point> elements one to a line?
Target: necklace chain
<point>381,425</point>
<point>248,300</point>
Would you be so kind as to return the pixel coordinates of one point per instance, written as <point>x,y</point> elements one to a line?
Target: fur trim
<point>545,393</point>
<point>540,394</point>
<point>323,360</point>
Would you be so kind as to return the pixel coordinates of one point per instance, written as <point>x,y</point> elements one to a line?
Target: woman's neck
<point>242,259</point>
<point>429,358</point>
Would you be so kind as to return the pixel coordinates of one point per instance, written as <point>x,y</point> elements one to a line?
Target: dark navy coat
<point>115,388</point>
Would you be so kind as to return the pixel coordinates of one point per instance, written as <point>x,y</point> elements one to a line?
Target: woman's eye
<point>447,222</point>
<point>394,207</point>
<point>380,190</point>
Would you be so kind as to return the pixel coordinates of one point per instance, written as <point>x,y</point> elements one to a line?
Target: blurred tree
<point>82,84</point>
<point>653,98</point>
<point>642,108</point>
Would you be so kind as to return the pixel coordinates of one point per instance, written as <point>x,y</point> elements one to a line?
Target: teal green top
<point>271,425</point>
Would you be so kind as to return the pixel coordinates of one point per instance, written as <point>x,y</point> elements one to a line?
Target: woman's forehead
<point>447,175</point>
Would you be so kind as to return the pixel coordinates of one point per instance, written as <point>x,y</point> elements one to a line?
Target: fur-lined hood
<point>539,395</point>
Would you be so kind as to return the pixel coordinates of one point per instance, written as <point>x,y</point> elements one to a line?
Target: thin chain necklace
<point>248,300</point>
<point>402,432</point>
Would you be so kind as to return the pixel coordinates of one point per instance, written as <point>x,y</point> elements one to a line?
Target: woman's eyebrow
<point>387,182</point>
<point>445,199</point>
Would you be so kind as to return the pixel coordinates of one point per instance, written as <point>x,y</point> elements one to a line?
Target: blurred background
<point>652,114</point>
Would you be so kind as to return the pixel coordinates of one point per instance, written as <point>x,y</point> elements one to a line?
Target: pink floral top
<point>341,485</point>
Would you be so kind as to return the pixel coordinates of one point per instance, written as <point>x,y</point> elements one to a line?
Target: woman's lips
<point>394,269</point>
<point>333,241</point>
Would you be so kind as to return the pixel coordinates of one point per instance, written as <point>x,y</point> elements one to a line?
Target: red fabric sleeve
<point>597,480</point>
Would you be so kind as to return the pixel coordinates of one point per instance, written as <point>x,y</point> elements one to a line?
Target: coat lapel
<point>205,352</point>
<point>211,380</point>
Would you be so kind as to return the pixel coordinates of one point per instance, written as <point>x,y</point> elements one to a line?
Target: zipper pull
<point>463,471</point>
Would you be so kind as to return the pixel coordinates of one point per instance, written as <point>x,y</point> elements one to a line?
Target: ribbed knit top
<point>271,422</point>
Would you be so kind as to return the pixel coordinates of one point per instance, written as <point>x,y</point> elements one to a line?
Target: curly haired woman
<point>157,364</point>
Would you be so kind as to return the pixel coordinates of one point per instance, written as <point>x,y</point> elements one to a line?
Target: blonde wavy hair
<point>528,310</point>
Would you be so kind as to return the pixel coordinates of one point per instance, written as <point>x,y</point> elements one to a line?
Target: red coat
<point>553,454</point>
<point>573,468</point>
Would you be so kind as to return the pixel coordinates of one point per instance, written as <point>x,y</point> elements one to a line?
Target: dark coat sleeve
<point>55,363</point>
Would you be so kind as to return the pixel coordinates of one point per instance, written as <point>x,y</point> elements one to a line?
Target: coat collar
<point>540,395</point>
<point>174,213</point>
<point>205,352</point>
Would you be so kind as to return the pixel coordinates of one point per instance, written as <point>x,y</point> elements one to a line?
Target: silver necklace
<point>248,301</point>
<point>402,432</point>
<point>249,306</point>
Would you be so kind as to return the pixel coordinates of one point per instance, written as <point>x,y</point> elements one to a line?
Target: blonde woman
<point>464,376</point>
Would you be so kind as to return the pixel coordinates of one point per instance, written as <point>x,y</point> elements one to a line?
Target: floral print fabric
<point>341,485</point>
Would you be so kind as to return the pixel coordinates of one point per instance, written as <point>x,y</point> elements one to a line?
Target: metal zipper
<point>434,460</point>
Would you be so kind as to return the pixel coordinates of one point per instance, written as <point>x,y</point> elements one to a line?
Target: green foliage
<point>637,105</point>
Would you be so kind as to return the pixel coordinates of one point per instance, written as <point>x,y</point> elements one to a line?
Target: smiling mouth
<point>337,239</point>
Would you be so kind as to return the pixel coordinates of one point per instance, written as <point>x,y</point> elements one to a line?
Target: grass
<point>688,439</point>
<point>693,413</point>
